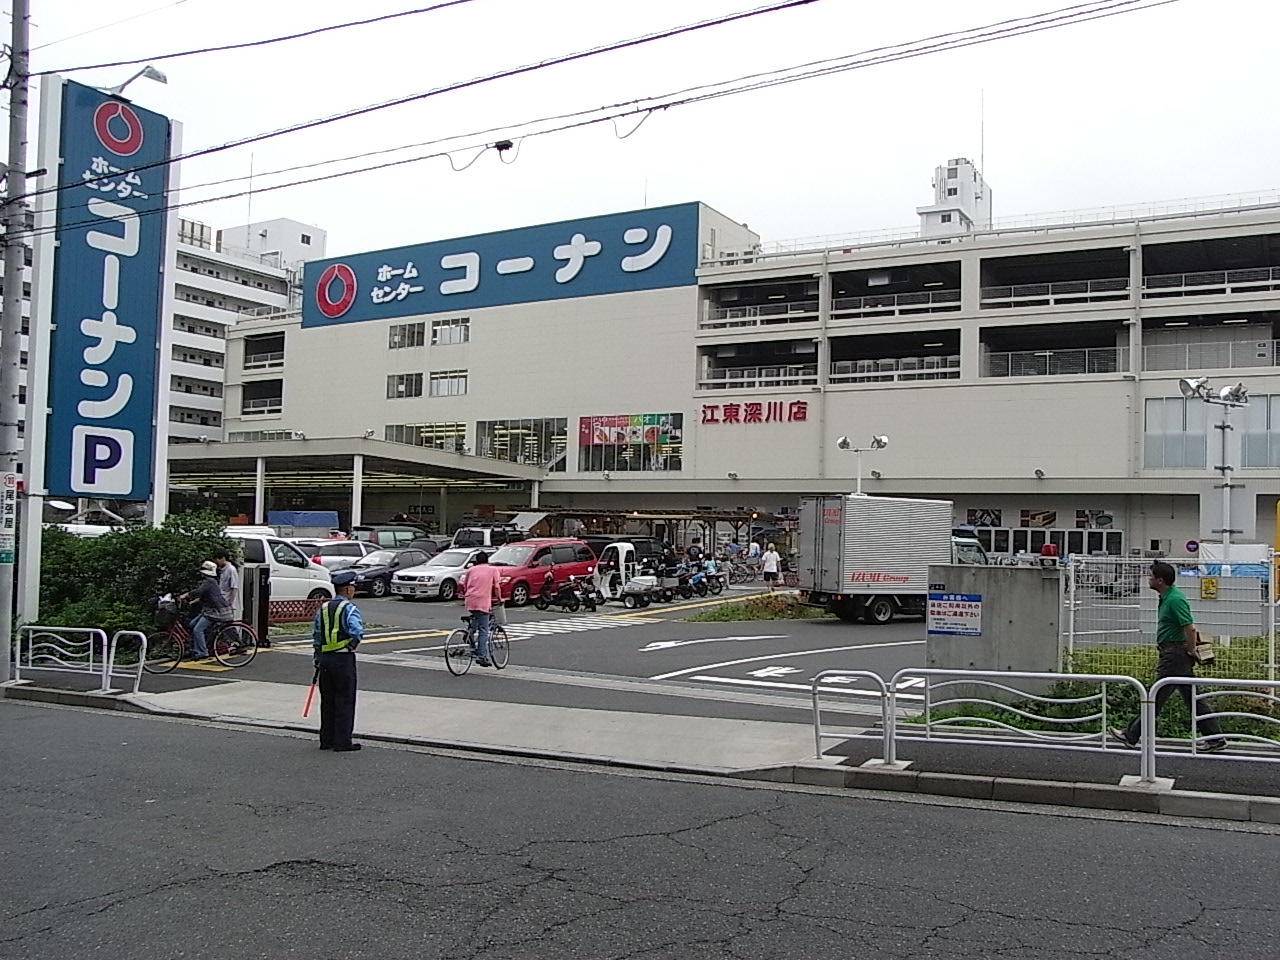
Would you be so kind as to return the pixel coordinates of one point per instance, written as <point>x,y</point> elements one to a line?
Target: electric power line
<point>260,43</point>
<point>1055,19</point>
<point>460,85</point>
<point>106,26</point>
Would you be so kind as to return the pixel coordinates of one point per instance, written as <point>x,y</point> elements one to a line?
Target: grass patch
<point>777,606</point>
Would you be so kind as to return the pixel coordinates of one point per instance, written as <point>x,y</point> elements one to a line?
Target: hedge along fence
<point>1243,660</point>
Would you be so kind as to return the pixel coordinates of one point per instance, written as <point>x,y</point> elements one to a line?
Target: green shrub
<point>112,581</point>
<point>769,606</point>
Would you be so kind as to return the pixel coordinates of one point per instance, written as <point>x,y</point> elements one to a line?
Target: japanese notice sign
<point>957,614</point>
<point>107,296</point>
<point>642,250</point>
<point>767,411</point>
<point>8,517</point>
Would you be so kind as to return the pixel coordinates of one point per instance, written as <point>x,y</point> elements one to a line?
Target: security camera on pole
<point>1227,398</point>
<point>877,443</point>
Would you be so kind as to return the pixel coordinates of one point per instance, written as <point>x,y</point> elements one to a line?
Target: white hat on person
<point>209,569</point>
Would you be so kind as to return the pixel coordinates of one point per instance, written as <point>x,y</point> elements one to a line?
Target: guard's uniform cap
<point>343,577</point>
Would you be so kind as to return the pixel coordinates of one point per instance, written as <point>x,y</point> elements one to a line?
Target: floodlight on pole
<point>146,73</point>
<point>1227,398</point>
<point>877,443</point>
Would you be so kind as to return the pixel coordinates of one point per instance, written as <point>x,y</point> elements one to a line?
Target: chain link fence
<point>1110,616</point>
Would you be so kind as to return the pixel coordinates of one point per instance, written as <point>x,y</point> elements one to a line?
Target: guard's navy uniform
<point>336,632</point>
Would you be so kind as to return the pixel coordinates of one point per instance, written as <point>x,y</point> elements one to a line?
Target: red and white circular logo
<point>344,278</point>
<point>118,128</point>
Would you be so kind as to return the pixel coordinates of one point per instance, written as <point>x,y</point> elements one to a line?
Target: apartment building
<point>668,360</point>
<point>224,277</point>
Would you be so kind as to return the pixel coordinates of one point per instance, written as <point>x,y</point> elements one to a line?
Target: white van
<point>293,576</point>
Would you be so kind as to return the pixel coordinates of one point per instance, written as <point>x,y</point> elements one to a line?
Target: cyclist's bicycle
<point>460,647</point>
<point>233,644</point>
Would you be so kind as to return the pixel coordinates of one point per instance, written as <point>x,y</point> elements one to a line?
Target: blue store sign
<point>623,252</point>
<point>107,297</point>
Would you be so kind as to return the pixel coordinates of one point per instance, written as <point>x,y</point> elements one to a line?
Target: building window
<point>400,385</point>
<point>1174,433</point>
<point>543,443</point>
<point>631,442</point>
<point>953,172</point>
<point>306,239</point>
<point>952,191</point>
<point>441,436</point>
<point>1261,434</point>
<point>457,330</point>
<point>449,383</point>
<point>403,335</point>
<point>946,218</point>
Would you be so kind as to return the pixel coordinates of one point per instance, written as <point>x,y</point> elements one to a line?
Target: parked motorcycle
<point>698,581</point>
<point>571,595</point>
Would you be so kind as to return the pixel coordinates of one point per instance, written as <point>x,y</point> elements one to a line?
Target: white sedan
<point>438,577</point>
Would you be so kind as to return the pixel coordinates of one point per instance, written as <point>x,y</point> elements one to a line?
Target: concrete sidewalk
<point>701,744</point>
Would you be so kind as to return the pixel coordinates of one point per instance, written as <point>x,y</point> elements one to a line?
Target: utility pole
<point>15,229</point>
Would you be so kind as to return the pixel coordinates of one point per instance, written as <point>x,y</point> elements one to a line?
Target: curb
<point>1094,796</point>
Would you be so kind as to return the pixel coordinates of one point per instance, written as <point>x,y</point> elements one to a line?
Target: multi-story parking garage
<point>665,360</point>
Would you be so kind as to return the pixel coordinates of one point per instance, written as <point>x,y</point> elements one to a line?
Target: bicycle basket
<point>166,613</point>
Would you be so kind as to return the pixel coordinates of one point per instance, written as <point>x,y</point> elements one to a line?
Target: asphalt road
<point>132,836</point>
<point>651,660</point>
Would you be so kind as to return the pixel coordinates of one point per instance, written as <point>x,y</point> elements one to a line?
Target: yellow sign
<point>1208,588</point>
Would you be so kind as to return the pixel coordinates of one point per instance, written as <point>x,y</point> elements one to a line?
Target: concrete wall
<point>1021,609</point>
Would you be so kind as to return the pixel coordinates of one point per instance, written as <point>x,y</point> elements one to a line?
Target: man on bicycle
<point>214,609</point>
<point>480,587</point>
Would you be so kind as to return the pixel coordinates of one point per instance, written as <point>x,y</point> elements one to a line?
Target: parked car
<point>341,554</point>
<point>375,570</point>
<point>492,536</point>
<point>430,545</point>
<point>293,576</point>
<point>438,577</point>
<point>525,565</point>
<point>387,534</point>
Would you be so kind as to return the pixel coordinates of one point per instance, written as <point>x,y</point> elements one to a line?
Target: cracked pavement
<point>133,836</point>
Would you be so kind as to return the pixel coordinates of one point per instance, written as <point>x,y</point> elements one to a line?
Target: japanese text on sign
<point>643,250</point>
<point>8,517</point>
<point>769,411</point>
<point>955,614</point>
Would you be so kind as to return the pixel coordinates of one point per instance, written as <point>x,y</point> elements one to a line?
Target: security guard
<point>337,631</point>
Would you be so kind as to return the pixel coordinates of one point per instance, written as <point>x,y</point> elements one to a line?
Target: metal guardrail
<point>1223,688</point>
<point>876,681</point>
<point>1052,294</point>
<point>742,378</point>
<point>1051,363</point>
<point>1211,281</point>
<point>83,650</point>
<point>263,361</point>
<point>943,680</point>
<point>1206,356</point>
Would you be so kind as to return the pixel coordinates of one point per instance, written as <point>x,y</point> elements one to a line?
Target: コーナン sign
<point>107,296</point>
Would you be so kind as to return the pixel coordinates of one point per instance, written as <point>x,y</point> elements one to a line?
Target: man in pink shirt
<point>480,590</point>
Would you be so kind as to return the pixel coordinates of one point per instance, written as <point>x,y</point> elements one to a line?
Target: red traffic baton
<point>311,692</point>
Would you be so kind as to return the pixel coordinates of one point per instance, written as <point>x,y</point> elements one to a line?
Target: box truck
<point>868,558</point>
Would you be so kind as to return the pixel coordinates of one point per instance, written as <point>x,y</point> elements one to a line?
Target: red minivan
<point>524,565</point>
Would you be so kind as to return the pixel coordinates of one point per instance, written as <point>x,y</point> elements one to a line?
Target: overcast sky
<point>1167,103</point>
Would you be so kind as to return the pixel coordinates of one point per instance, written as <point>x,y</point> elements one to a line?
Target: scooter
<point>571,594</point>
<point>698,581</point>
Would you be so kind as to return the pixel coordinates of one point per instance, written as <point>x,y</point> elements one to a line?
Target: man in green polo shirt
<point>1176,640</point>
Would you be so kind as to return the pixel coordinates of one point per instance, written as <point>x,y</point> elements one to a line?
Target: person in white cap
<point>214,609</point>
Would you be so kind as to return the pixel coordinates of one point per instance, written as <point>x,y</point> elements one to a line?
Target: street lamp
<point>148,72</point>
<point>1227,398</point>
<point>877,443</point>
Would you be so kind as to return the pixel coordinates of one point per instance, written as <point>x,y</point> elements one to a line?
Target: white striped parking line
<point>548,628</point>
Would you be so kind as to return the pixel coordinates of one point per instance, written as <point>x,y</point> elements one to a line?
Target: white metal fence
<point>949,706</point>
<point>81,650</point>
<point>1109,617</point>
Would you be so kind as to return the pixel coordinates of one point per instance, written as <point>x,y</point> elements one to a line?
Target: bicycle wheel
<point>499,648</point>
<point>235,645</point>
<point>457,653</point>
<point>164,653</point>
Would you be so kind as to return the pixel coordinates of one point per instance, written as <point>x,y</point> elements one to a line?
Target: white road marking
<point>546,628</point>
<point>774,671</point>
<point>781,656</point>
<point>805,687</point>
<point>671,644</point>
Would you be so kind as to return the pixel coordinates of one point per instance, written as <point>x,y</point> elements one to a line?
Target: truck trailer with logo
<point>867,558</point>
